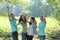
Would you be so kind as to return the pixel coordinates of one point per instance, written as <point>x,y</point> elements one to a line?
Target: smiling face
<point>23,17</point>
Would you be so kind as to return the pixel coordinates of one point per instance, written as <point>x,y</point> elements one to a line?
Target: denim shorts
<point>42,37</point>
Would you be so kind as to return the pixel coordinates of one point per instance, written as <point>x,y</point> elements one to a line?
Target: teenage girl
<point>13,26</point>
<point>32,29</point>
<point>23,23</point>
<point>42,26</point>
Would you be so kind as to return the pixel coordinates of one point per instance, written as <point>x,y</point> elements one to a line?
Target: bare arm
<point>19,23</point>
<point>8,12</point>
<point>8,16</point>
<point>35,25</point>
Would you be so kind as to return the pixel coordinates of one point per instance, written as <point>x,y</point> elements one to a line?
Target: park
<point>36,8</point>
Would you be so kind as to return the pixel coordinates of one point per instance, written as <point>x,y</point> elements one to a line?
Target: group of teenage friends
<point>28,34</point>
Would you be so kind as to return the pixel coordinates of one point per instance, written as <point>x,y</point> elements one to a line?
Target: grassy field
<point>52,24</point>
<point>5,26</point>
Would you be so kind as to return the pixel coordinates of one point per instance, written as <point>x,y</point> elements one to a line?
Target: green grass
<point>52,24</point>
<point>4,24</point>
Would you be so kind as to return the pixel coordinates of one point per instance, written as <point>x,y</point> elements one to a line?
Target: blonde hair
<point>43,19</point>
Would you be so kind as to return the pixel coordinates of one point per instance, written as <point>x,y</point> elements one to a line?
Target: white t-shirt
<point>32,31</point>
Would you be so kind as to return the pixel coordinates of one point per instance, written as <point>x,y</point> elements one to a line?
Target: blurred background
<point>36,8</point>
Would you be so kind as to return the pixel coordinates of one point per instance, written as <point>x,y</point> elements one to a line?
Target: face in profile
<point>31,20</point>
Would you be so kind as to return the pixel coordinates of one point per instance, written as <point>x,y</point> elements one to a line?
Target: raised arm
<point>8,16</point>
<point>8,12</point>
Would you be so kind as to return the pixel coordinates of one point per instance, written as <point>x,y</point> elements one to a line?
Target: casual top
<point>13,26</point>
<point>32,30</point>
<point>24,26</point>
<point>42,26</point>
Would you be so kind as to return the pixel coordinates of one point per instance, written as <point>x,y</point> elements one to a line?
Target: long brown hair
<point>20,19</point>
<point>34,20</point>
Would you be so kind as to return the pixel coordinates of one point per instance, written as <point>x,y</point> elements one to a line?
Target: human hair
<point>43,19</point>
<point>34,21</point>
<point>12,16</point>
<point>20,19</point>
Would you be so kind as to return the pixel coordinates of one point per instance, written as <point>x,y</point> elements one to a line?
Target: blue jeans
<point>15,35</point>
<point>42,37</point>
<point>24,36</point>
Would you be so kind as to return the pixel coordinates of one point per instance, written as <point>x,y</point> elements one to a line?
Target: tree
<point>20,3</point>
<point>39,8</point>
<point>56,5</point>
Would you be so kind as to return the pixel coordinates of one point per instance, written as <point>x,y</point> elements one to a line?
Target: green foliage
<point>0,0</point>
<point>4,14</point>
<point>55,35</point>
<point>18,3</point>
<point>21,3</point>
<point>0,7</point>
<point>24,4</point>
<point>56,5</point>
<point>1,32</point>
<point>58,15</point>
